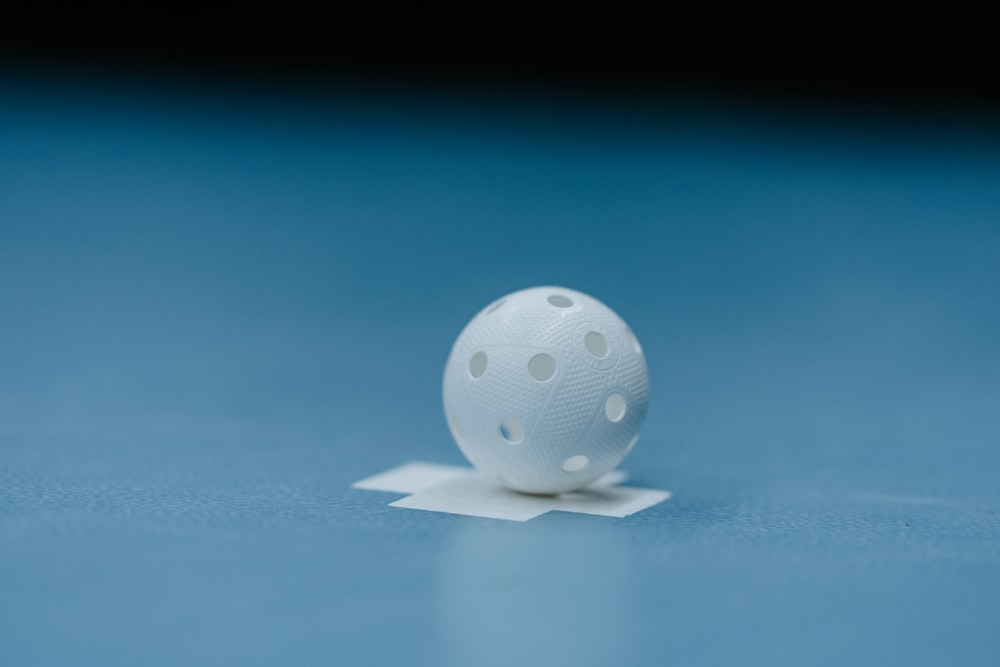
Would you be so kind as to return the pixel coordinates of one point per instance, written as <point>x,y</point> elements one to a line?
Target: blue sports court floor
<point>220,307</point>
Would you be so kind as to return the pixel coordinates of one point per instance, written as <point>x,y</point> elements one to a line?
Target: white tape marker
<point>458,490</point>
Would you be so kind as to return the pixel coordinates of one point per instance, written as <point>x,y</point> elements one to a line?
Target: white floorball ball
<point>545,390</point>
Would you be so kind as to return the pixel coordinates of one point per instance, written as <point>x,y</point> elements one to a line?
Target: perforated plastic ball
<point>545,390</point>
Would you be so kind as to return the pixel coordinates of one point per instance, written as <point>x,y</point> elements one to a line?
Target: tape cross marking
<point>459,490</point>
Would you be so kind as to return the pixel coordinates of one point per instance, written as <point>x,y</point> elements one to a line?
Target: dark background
<point>825,62</point>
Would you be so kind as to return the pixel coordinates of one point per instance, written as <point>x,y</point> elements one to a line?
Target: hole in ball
<point>596,344</point>
<point>496,306</point>
<point>542,367</point>
<point>477,364</point>
<point>512,431</point>
<point>614,407</point>
<point>575,463</point>
<point>560,301</point>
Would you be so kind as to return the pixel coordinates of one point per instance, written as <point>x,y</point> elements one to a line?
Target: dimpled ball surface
<point>545,390</point>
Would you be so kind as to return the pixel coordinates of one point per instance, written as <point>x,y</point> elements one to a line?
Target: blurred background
<point>231,270</point>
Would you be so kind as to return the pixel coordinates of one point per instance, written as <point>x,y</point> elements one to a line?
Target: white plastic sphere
<point>545,390</point>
